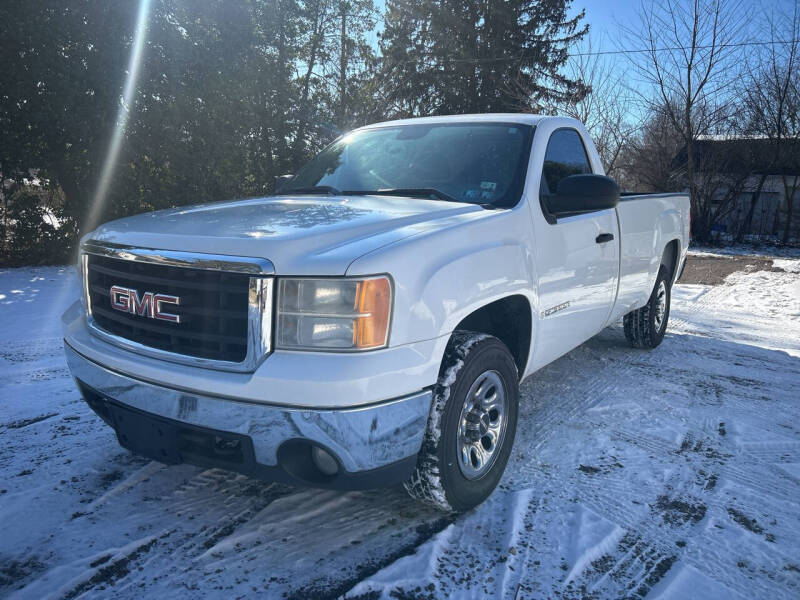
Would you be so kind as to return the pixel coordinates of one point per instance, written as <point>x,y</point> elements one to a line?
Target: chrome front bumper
<point>374,445</point>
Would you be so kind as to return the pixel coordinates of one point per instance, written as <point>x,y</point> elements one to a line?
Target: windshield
<point>480,163</point>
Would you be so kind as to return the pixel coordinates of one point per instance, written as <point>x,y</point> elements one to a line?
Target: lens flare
<point>118,135</point>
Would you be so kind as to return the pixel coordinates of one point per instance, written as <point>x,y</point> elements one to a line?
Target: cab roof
<point>521,118</point>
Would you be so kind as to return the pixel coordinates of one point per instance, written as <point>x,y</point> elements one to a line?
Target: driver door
<point>576,261</point>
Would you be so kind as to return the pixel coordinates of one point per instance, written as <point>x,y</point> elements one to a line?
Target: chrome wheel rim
<point>482,426</point>
<point>661,305</point>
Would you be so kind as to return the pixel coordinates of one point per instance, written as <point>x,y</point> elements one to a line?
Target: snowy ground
<point>668,474</point>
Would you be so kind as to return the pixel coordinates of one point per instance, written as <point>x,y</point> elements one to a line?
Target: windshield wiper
<point>314,189</point>
<point>415,192</point>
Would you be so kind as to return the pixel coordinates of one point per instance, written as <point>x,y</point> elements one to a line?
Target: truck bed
<point>642,234</point>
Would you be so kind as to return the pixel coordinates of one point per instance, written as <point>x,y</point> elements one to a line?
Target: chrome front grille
<point>219,307</point>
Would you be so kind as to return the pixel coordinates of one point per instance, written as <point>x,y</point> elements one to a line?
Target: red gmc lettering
<point>160,299</point>
<point>143,307</point>
<point>119,298</point>
<point>149,305</point>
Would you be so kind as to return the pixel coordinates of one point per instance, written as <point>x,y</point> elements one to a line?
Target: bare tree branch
<point>689,70</point>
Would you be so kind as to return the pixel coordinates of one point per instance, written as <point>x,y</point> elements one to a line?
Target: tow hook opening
<point>205,447</point>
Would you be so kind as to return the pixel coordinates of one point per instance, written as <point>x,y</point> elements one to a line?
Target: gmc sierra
<point>371,322</point>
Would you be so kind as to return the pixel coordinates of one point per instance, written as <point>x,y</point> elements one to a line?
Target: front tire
<point>472,424</point>
<point>645,327</point>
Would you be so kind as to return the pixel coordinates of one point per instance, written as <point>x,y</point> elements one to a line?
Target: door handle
<point>604,237</point>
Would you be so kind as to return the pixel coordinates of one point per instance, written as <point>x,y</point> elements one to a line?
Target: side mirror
<point>280,181</point>
<point>583,193</point>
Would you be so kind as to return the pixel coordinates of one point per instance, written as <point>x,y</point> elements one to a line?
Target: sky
<point>606,17</point>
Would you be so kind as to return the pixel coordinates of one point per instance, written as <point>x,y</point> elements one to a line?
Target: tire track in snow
<point>559,406</point>
<point>653,542</point>
<point>79,577</point>
<point>744,289</point>
<point>142,474</point>
<point>246,535</point>
<point>510,579</point>
<point>684,493</point>
<point>177,552</point>
<point>354,536</point>
<point>768,482</point>
<point>456,559</point>
<point>684,323</point>
<point>773,451</point>
<point>656,447</point>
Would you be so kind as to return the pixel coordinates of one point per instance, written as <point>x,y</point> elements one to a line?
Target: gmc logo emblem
<point>149,305</point>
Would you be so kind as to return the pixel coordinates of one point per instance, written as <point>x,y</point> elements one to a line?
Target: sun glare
<point>118,135</point>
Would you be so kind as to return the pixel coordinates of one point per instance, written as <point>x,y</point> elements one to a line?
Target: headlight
<point>333,314</point>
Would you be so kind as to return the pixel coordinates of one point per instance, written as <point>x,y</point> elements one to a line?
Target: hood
<point>303,235</point>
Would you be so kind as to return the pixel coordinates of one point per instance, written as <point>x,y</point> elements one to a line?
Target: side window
<point>565,156</point>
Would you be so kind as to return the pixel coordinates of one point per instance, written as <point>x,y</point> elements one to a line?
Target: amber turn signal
<point>373,305</point>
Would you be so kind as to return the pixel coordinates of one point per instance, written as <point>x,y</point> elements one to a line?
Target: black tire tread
<point>425,483</point>
<point>638,324</point>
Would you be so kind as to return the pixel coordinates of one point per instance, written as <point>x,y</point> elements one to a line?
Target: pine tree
<point>472,56</point>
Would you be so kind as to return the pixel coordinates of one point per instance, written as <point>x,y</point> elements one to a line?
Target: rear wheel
<point>471,426</point>
<point>645,326</point>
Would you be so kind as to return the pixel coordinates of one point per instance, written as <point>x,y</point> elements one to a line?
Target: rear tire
<point>645,327</point>
<point>471,426</point>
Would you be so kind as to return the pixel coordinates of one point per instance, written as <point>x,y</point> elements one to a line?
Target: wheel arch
<point>509,319</point>
<point>671,256</point>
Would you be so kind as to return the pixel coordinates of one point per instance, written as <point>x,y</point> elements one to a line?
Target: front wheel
<point>645,327</point>
<point>472,424</point>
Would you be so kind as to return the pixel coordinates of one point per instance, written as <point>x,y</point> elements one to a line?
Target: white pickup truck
<point>370,324</point>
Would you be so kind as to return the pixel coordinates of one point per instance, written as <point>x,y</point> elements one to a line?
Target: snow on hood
<point>304,235</point>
